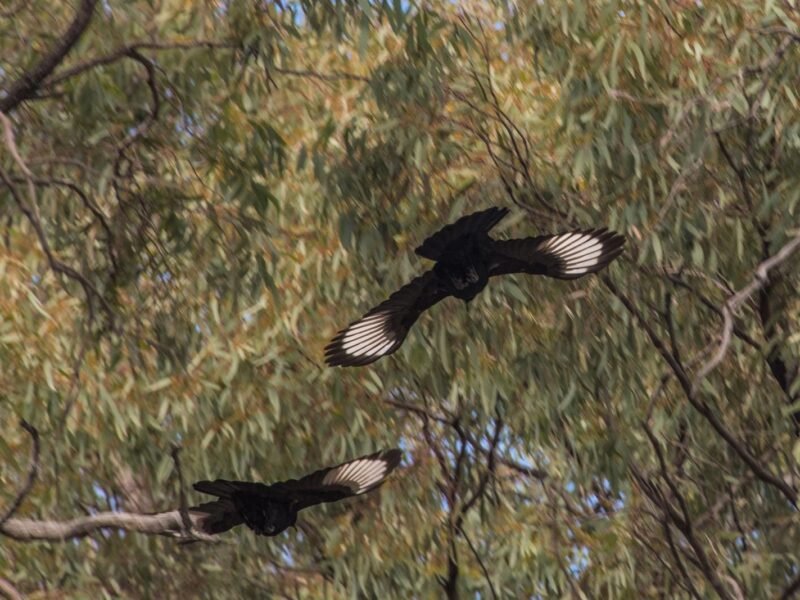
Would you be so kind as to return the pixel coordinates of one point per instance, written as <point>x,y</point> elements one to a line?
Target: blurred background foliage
<point>198,195</point>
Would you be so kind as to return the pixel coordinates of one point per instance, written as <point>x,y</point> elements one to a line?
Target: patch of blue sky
<point>579,561</point>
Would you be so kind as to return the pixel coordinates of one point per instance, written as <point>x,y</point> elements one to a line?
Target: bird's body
<point>464,266</point>
<point>466,258</point>
<point>265,516</point>
<point>269,509</point>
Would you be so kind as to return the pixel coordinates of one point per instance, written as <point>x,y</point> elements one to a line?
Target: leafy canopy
<point>201,194</point>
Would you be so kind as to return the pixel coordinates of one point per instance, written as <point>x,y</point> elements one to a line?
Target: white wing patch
<point>578,251</point>
<point>371,336</point>
<point>359,475</point>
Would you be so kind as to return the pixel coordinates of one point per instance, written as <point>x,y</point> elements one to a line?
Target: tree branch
<point>792,589</point>
<point>742,335</point>
<point>481,564</point>
<point>166,523</point>
<point>733,303</point>
<point>684,522</point>
<point>30,211</point>
<point>126,52</point>
<point>33,471</point>
<point>7,590</point>
<point>25,87</point>
<point>700,405</point>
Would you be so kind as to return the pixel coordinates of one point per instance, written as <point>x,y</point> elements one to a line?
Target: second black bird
<point>269,509</point>
<point>465,258</point>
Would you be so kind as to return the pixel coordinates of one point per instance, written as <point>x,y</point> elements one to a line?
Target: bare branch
<point>33,471</point>
<point>25,87</point>
<point>741,334</point>
<point>85,200</point>
<point>165,523</point>
<point>7,590</point>
<point>489,472</point>
<point>733,303</point>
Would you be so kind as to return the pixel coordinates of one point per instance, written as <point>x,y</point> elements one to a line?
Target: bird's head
<point>267,529</point>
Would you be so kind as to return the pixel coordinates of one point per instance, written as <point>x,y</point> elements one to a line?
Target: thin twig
<point>56,265</point>
<point>481,564</point>
<point>125,52</point>
<point>684,522</point>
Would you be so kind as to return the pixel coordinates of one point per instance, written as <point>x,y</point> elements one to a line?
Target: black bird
<point>465,258</point>
<point>270,509</point>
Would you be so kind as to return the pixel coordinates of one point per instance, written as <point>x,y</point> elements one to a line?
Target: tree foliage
<point>197,196</point>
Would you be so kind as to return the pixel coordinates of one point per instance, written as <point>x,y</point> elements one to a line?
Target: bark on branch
<point>25,87</point>
<point>166,523</point>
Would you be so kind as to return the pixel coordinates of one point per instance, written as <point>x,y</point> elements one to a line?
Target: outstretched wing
<point>382,330</point>
<point>563,255</point>
<point>350,478</point>
<point>448,235</point>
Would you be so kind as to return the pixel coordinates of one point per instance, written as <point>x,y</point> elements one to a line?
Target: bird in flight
<point>465,258</point>
<point>270,509</point>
